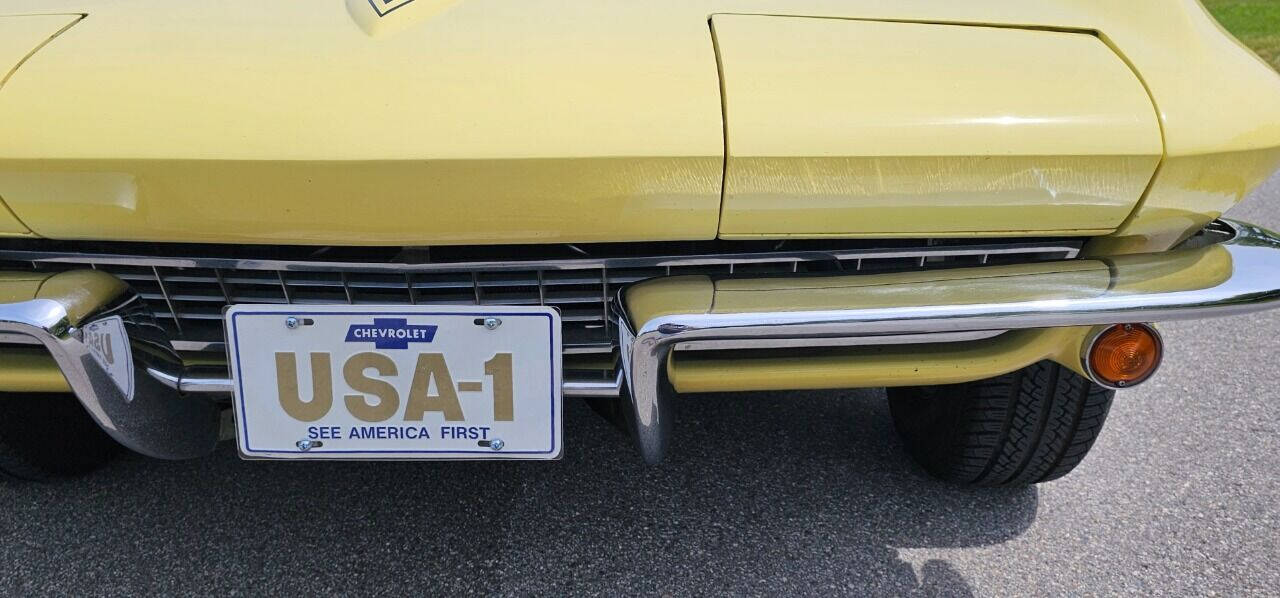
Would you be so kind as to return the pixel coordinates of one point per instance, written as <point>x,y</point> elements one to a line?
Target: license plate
<point>395,382</point>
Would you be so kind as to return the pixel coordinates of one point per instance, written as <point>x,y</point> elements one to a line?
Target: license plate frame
<point>257,334</point>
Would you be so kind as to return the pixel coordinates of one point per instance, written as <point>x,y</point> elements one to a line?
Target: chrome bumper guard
<point>1231,268</point>
<point>74,316</point>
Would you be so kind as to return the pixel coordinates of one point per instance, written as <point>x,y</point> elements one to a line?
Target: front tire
<point>1025,427</point>
<point>45,436</point>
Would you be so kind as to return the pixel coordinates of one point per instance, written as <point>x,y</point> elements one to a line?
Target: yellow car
<point>411,229</point>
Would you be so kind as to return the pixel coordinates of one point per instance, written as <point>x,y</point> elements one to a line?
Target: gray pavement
<point>771,493</point>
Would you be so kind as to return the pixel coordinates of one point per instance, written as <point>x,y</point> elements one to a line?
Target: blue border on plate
<point>240,382</point>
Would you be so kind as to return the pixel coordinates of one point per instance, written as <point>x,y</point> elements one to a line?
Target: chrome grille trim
<point>1065,251</point>
<point>187,294</point>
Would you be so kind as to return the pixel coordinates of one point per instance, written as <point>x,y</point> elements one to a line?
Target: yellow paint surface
<point>289,122</point>
<point>30,369</point>
<point>490,121</point>
<point>872,128</point>
<point>875,366</point>
<point>20,36</point>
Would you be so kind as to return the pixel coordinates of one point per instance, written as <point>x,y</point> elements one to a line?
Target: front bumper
<point>1231,268</point>
<point>128,395</point>
<point>158,407</point>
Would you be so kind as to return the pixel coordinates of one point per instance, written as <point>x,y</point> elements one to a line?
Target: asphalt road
<point>779,493</point>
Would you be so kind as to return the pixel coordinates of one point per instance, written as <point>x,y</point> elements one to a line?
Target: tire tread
<point>1028,426</point>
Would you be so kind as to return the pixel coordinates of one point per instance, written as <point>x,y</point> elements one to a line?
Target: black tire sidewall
<point>44,436</point>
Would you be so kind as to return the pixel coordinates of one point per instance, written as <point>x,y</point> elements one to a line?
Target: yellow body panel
<point>1217,148</point>
<point>30,369</point>
<point>874,366</point>
<point>20,286</point>
<point>25,368</point>
<point>1188,193</point>
<point>288,122</point>
<point>370,202</point>
<point>487,121</point>
<point>81,291</point>
<point>960,286</point>
<point>873,128</point>
<point>1178,270</point>
<point>20,37</point>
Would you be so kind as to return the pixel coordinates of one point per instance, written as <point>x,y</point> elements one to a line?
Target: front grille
<point>187,294</point>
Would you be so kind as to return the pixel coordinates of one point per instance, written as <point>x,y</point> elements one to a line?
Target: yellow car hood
<point>488,121</point>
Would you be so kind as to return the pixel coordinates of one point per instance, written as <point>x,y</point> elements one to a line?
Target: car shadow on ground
<point>778,493</point>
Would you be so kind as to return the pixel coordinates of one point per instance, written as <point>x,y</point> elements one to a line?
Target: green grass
<point>1256,23</point>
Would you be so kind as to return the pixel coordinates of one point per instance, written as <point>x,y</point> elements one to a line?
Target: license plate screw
<point>492,323</point>
<point>307,444</point>
<point>291,323</point>
<point>497,444</point>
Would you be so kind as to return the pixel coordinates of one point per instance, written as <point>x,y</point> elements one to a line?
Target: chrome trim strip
<point>601,389</point>
<point>600,349</point>
<point>1253,284</point>
<point>1068,251</point>
<point>185,382</point>
<point>850,341</point>
<point>198,346</point>
<point>10,338</point>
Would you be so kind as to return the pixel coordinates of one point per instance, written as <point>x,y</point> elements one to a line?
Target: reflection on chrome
<point>1238,275</point>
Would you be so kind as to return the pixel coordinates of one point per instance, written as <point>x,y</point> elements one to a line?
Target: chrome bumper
<point>1236,272</point>
<point>136,387</point>
<point>155,407</point>
<point>122,391</point>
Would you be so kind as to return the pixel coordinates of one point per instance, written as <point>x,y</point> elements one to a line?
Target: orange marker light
<point>1124,355</point>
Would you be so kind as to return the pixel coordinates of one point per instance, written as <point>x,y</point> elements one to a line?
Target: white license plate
<point>395,382</point>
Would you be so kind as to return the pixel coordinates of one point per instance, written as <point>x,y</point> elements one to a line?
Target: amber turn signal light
<point>1124,355</point>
